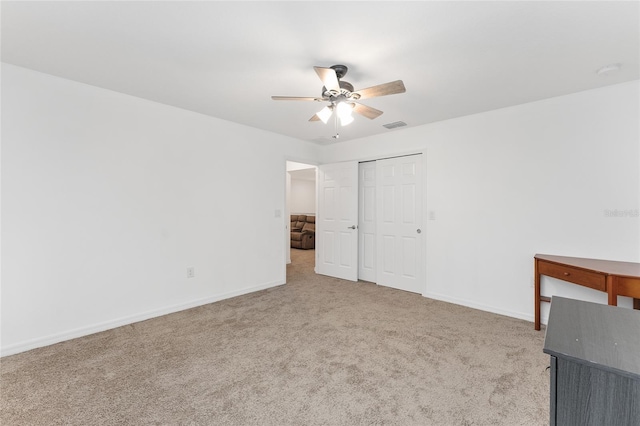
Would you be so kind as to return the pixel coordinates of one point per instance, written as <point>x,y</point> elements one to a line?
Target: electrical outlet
<point>191,272</point>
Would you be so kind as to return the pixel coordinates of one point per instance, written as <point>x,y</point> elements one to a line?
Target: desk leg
<point>612,291</point>
<point>536,296</point>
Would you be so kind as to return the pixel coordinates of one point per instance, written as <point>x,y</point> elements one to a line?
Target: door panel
<point>346,258</point>
<point>399,207</point>
<point>329,206</point>
<point>326,248</point>
<point>337,220</point>
<point>388,204</point>
<point>408,204</point>
<point>408,257</point>
<point>388,259</point>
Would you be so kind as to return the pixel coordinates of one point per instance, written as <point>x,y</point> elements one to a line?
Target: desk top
<point>607,267</point>
<point>602,336</point>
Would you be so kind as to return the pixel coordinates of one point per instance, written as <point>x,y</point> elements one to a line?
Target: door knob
<point>419,231</point>
<point>352,227</point>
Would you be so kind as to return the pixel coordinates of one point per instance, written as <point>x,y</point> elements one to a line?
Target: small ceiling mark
<point>608,69</point>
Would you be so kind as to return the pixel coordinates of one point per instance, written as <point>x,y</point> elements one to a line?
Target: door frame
<point>286,210</point>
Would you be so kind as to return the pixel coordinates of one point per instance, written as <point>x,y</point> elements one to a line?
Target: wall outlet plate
<point>191,272</point>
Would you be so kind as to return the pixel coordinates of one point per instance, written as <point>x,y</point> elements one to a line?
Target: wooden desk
<point>616,278</point>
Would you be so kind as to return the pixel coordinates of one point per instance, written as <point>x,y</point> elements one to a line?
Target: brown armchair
<point>303,231</point>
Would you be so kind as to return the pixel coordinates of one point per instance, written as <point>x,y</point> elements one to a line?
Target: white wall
<point>534,178</point>
<point>108,198</point>
<point>303,196</point>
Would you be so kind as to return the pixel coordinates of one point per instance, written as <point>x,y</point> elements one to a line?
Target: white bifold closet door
<point>399,223</point>
<point>337,230</point>
<point>390,219</point>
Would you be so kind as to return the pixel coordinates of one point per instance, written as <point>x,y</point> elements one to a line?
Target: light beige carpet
<point>317,351</point>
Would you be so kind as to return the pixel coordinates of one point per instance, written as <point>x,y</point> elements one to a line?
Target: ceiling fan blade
<point>328,77</point>
<point>315,118</point>
<point>367,111</point>
<point>390,88</point>
<point>295,98</point>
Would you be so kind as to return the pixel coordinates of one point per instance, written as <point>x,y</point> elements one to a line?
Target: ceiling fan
<point>342,98</point>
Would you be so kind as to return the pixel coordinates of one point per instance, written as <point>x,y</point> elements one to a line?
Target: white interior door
<point>367,221</point>
<point>399,220</point>
<point>337,220</point>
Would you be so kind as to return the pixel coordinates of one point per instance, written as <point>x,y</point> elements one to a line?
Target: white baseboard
<point>479,306</point>
<point>108,325</point>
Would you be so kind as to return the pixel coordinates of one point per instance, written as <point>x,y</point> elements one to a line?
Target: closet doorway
<point>384,198</point>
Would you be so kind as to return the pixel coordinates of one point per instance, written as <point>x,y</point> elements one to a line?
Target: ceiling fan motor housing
<point>346,91</point>
<point>346,88</point>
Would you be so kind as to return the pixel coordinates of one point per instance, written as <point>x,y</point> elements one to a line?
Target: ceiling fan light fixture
<point>324,114</point>
<point>344,110</point>
<point>348,119</point>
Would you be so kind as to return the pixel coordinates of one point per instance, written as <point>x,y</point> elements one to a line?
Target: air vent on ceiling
<point>395,124</point>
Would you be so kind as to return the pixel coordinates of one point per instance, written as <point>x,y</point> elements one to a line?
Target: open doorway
<point>301,206</point>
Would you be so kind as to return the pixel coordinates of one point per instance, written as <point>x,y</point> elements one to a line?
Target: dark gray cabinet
<point>595,364</point>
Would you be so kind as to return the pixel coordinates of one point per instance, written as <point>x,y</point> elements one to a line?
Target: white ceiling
<point>226,59</point>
